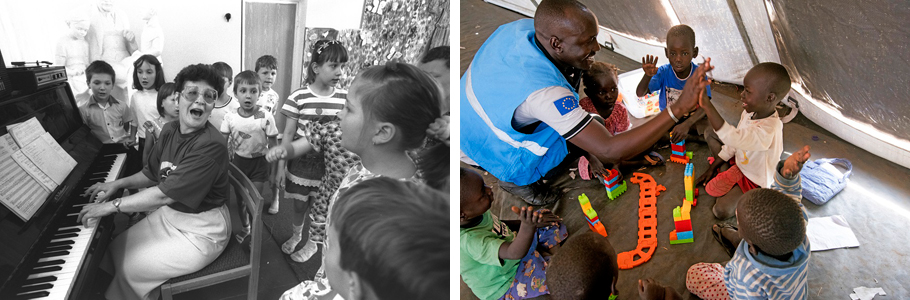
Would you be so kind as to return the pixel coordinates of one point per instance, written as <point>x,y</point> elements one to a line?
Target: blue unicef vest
<point>507,68</point>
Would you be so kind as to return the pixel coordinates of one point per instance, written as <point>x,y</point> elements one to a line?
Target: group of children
<point>392,121</point>
<point>770,250</point>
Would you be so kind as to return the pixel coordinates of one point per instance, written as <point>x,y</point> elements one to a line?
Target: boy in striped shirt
<point>772,259</point>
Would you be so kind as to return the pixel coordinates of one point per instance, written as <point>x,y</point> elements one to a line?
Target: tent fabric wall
<point>850,55</point>
<point>646,19</point>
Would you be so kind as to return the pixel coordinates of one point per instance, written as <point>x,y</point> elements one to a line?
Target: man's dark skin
<point>568,34</point>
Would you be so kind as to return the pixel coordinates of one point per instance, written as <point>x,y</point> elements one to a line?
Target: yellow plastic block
<point>686,209</point>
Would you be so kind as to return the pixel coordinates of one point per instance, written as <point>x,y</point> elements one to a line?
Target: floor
<point>874,202</point>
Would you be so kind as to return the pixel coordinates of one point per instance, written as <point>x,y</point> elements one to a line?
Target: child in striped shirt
<point>772,259</point>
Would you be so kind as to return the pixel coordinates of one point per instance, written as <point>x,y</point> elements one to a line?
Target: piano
<point>52,255</point>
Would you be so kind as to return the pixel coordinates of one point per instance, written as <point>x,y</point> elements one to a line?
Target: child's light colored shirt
<point>749,276</point>
<point>144,105</point>
<point>269,101</point>
<point>219,112</point>
<point>756,144</point>
<point>107,122</point>
<point>248,136</point>
<point>488,276</point>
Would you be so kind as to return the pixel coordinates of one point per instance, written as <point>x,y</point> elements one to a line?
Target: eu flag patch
<point>566,104</point>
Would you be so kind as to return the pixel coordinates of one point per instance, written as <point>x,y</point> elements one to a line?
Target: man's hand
<point>694,91</point>
<point>649,65</point>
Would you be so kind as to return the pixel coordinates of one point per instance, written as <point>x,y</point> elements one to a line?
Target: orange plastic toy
<point>647,222</point>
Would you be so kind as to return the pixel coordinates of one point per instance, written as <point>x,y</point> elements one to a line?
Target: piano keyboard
<point>53,275</point>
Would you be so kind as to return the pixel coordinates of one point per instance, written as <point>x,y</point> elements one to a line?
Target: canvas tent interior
<point>847,60</point>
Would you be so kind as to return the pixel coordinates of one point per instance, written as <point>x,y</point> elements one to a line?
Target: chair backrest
<point>244,189</point>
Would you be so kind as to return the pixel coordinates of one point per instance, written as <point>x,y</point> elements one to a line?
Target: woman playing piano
<point>187,178</point>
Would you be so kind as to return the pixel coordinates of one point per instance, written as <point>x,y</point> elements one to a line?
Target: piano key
<point>40,280</point>
<point>36,287</point>
<point>49,263</point>
<point>34,295</point>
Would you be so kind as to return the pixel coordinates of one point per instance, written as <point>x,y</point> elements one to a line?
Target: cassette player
<point>31,79</point>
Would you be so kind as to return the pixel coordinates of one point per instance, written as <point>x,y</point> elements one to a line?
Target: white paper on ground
<point>830,233</point>
<point>864,293</point>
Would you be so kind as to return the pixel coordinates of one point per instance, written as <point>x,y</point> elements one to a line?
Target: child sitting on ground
<point>602,94</point>
<point>754,146</point>
<point>250,131</point>
<point>582,267</point>
<point>495,261</point>
<point>669,79</point>
<point>772,257</point>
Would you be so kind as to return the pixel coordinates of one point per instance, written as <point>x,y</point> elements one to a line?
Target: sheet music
<point>7,145</point>
<point>25,132</point>
<point>46,182</point>
<point>49,157</point>
<point>21,193</point>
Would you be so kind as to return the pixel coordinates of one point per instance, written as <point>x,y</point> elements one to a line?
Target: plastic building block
<point>684,225</point>
<point>682,235</point>
<point>685,241</point>
<point>678,152</point>
<point>689,154</point>
<point>647,223</point>
<point>613,185</point>
<point>591,215</point>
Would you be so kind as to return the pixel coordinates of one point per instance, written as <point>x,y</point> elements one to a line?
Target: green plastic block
<point>677,213</point>
<point>618,191</point>
<point>685,241</point>
<point>689,195</point>
<point>689,154</point>
<point>612,297</point>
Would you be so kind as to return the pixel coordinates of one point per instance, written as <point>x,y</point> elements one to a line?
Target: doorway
<point>271,27</point>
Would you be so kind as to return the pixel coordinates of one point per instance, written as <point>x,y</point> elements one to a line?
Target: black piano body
<point>24,242</point>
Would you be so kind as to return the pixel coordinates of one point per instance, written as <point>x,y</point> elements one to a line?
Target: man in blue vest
<point>519,104</point>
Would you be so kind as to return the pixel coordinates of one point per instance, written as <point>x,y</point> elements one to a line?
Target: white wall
<point>194,31</point>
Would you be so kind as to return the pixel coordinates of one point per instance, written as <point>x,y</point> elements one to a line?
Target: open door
<point>275,28</point>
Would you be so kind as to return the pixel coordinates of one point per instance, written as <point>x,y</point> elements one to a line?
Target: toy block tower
<point>681,215</point>
<point>678,152</point>
<point>689,179</point>
<point>591,215</point>
<point>614,186</point>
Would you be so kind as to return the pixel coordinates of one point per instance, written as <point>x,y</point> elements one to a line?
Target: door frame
<point>298,42</point>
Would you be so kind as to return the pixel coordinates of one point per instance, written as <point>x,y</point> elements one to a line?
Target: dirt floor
<point>874,202</point>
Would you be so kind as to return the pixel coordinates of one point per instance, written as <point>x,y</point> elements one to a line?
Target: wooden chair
<point>235,262</point>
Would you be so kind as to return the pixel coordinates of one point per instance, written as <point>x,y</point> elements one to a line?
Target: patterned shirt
<point>248,136</point>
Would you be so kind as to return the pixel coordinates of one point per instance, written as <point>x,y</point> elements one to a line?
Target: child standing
<point>225,102</point>
<point>753,147</point>
<point>409,220</point>
<point>772,257</point>
<point>148,77</point>
<point>267,68</point>
<point>108,118</point>
<point>318,101</point>
<point>387,112</point>
<point>250,131</point>
<point>497,263</point>
<point>669,79</point>
<point>166,104</point>
<point>436,63</point>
